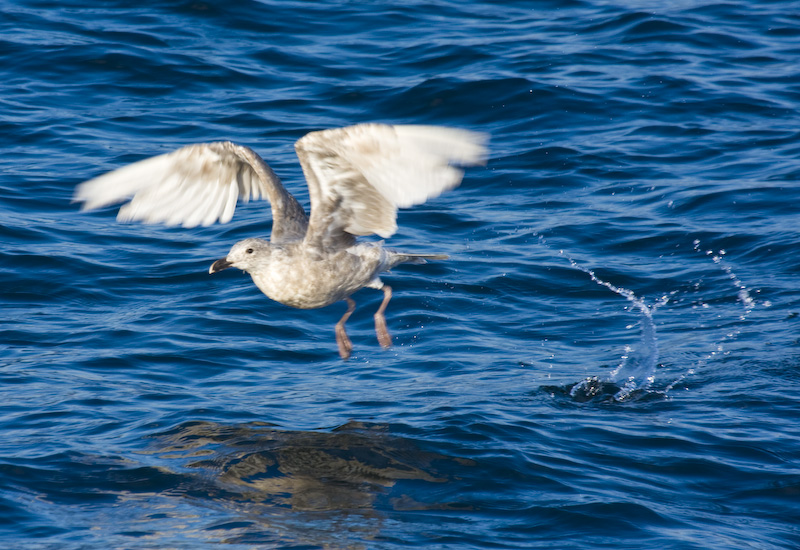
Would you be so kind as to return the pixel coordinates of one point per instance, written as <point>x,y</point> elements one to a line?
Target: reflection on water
<point>311,471</point>
<point>307,486</point>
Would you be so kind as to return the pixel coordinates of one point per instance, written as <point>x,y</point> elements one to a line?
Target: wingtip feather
<point>459,146</point>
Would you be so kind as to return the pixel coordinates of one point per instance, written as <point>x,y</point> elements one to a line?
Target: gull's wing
<point>359,175</point>
<point>196,185</point>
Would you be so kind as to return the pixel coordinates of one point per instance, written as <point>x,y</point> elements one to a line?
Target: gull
<point>358,176</point>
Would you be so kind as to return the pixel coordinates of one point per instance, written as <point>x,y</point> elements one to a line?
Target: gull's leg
<point>345,345</point>
<point>380,321</point>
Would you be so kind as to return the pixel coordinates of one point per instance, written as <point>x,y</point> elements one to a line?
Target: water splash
<point>748,304</point>
<point>636,371</point>
<point>635,374</point>
<point>747,301</point>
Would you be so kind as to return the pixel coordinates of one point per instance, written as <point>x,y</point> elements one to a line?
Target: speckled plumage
<point>357,177</point>
<point>288,274</point>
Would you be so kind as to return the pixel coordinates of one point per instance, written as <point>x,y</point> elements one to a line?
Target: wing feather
<point>359,175</point>
<point>229,202</point>
<point>198,205</point>
<point>195,185</point>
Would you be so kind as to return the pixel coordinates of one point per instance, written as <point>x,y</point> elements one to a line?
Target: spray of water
<point>637,368</point>
<point>744,297</point>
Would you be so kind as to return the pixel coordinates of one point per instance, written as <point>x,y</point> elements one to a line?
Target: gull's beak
<point>219,265</point>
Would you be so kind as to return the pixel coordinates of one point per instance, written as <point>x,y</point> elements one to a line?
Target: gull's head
<point>247,255</point>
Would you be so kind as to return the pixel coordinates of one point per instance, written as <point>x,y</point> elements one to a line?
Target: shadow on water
<point>306,485</point>
<point>309,471</point>
<point>250,485</point>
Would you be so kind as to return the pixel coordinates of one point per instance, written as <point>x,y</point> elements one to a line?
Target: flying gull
<point>357,177</point>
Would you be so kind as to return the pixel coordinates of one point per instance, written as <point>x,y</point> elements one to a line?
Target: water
<point>610,358</point>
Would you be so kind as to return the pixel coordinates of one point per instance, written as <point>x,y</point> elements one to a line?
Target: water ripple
<point>636,219</point>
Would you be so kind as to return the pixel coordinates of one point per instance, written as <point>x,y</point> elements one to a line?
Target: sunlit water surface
<point>609,359</point>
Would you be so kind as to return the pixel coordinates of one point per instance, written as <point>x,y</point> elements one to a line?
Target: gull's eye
<point>249,251</point>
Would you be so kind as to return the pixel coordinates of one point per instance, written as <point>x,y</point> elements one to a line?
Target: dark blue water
<point>610,359</point>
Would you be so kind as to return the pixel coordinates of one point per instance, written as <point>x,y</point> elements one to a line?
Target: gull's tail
<point>407,258</point>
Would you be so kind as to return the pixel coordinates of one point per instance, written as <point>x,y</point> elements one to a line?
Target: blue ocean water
<point>610,358</point>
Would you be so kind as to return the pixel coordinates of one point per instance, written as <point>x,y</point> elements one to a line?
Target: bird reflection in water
<point>346,469</point>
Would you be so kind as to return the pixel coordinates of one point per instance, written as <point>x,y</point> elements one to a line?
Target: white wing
<point>195,185</point>
<point>359,175</point>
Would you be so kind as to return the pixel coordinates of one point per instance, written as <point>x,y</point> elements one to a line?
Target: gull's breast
<point>306,282</point>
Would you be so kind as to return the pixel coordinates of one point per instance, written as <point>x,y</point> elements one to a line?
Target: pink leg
<point>345,345</point>
<point>380,321</point>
